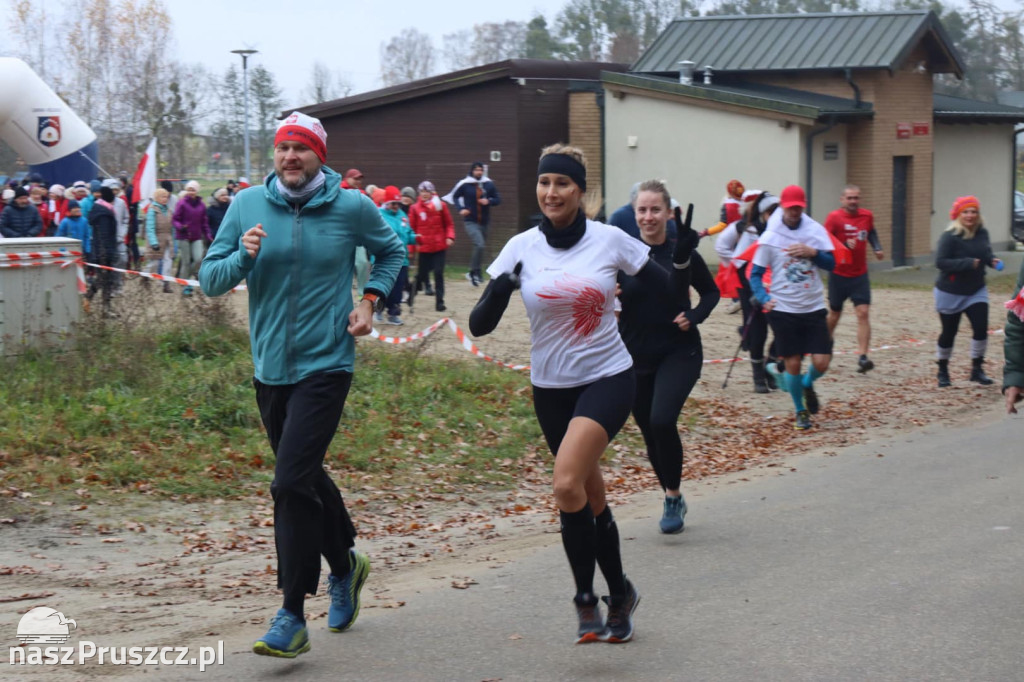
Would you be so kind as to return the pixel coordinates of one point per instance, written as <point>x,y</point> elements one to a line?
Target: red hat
<point>392,193</point>
<point>352,173</point>
<point>962,203</point>
<point>734,188</point>
<point>793,196</point>
<point>299,127</point>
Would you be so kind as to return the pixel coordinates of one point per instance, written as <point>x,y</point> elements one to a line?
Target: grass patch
<point>171,411</point>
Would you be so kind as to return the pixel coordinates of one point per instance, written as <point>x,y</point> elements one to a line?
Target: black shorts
<point>857,289</point>
<point>800,333</point>
<point>607,401</point>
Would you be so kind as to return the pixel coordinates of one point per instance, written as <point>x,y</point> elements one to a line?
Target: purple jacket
<point>190,220</point>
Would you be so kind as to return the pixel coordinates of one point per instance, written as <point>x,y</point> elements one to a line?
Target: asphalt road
<point>898,560</point>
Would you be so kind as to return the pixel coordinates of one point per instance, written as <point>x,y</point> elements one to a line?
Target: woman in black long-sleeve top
<point>665,344</point>
<point>963,253</point>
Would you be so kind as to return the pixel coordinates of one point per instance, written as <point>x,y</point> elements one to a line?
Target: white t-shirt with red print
<point>569,297</point>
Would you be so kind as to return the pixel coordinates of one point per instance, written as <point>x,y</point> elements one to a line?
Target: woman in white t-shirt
<point>582,374</point>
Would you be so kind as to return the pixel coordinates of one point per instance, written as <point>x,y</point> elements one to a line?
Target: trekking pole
<point>743,337</point>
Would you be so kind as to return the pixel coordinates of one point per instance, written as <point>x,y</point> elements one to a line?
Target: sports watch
<point>376,301</point>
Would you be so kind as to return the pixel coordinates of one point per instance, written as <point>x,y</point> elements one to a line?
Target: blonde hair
<point>592,200</point>
<point>161,195</point>
<point>960,230</point>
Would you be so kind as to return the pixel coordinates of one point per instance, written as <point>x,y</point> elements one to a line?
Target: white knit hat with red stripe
<point>299,127</point>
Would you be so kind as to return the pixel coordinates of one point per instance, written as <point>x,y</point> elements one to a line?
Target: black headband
<point>563,164</point>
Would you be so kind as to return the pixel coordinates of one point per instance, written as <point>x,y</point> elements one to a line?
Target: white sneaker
<point>734,308</point>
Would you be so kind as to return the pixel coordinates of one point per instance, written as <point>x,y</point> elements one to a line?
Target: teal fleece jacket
<point>300,283</point>
<point>399,222</point>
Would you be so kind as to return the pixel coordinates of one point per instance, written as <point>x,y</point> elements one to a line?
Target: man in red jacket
<point>435,232</point>
<point>855,227</point>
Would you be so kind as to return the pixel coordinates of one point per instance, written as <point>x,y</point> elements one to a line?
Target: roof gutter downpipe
<point>848,74</point>
<point>809,151</point>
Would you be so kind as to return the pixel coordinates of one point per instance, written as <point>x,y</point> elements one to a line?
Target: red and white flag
<point>144,181</point>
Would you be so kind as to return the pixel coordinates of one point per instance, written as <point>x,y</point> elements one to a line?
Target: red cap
<point>392,193</point>
<point>793,196</point>
<point>352,173</point>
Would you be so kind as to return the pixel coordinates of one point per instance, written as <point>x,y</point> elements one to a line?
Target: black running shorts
<point>800,333</point>
<point>856,289</point>
<point>607,401</point>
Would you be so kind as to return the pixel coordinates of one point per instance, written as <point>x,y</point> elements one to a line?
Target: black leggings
<point>432,262</point>
<point>659,401</point>
<point>977,315</point>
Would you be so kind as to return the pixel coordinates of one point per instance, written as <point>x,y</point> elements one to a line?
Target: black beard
<point>306,177</point>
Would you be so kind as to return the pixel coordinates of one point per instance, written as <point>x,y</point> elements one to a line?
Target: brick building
<point>821,100</point>
<point>501,114</point>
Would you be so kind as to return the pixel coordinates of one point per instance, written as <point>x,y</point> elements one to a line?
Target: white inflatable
<point>41,128</point>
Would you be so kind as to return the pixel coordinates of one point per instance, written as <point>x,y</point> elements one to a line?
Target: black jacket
<point>104,234</point>
<point>954,257</point>
<point>215,214</point>
<point>16,221</point>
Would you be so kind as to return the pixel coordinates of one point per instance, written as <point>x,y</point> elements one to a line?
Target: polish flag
<point>144,181</point>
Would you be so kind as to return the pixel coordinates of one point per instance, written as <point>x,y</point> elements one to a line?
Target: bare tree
<point>325,85</point>
<point>407,57</point>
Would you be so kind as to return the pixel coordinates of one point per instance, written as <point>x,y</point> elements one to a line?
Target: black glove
<point>507,282</point>
<point>686,237</point>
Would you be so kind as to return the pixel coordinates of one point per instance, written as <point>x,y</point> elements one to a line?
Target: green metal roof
<point>801,42</point>
<point>959,109</point>
<point>801,103</point>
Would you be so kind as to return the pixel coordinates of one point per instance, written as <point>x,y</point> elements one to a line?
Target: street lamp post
<point>245,96</point>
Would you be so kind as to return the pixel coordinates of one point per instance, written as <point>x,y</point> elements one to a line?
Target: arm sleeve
<point>876,243</point>
<point>493,197</point>
<point>446,220</point>
<point>226,263</point>
<point>5,219</point>
<point>488,310</point>
<point>726,243</point>
<point>757,286</point>
<point>706,288</point>
<point>62,229</point>
<point>151,227</point>
<point>826,260</point>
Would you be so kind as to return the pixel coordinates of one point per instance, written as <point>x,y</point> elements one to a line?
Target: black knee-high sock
<point>607,551</point>
<point>578,540</point>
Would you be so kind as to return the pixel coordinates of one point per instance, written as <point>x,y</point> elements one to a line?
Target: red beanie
<point>962,203</point>
<point>735,188</point>
<point>306,130</point>
<point>391,193</point>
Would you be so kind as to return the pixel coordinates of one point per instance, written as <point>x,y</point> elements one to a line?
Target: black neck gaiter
<point>567,236</point>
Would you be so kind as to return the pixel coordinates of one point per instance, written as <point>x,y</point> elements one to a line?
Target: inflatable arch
<point>41,128</point>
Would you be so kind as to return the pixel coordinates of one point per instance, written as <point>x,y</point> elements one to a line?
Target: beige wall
<point>974,159</point>
<point>697,150</point>
<point>829,176</point>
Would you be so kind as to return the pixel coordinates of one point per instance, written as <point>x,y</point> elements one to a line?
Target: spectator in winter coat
<point>6,198</point>
<point>353,179</point>
<point>76,226</point>
<point>407,199</point>
<point>94,194</point>
<point>473,196</point>
<point>216,210</point>
<point>122,214</point>
<point>1013,348</point>
<point>399,222</point>
<point>104,245</point>
<point>191,228</point>
<point>435,232</point>
<point>37,197</point>
<point>160,236</point>
<point>21,218</point>
<point>57,207</point>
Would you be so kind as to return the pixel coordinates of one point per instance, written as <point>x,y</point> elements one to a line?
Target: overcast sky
<point>290,37</point>
<point>347,37</point>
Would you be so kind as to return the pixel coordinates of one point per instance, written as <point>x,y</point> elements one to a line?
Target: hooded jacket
<point>77,228</point>
<point>467,194</point>
<point>215,216</point>
<point>399,222</point>
<point>190,221</point>
<point>431,225</point>
<point>300,283</point>
<point>16,221</point>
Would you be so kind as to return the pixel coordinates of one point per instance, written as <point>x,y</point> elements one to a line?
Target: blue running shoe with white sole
<point>286,638</point>
<point>345,593</point>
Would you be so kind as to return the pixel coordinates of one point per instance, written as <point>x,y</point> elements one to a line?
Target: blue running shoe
<point>345,593</point>
<point>286,638</point>
<point>672,516</point>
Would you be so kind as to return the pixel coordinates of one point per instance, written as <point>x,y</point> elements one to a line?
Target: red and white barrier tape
<point>162,278</point>
<point>38,255</point>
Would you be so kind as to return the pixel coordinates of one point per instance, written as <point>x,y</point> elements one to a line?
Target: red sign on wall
<point>904,131</point>
<point>921,128</point>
